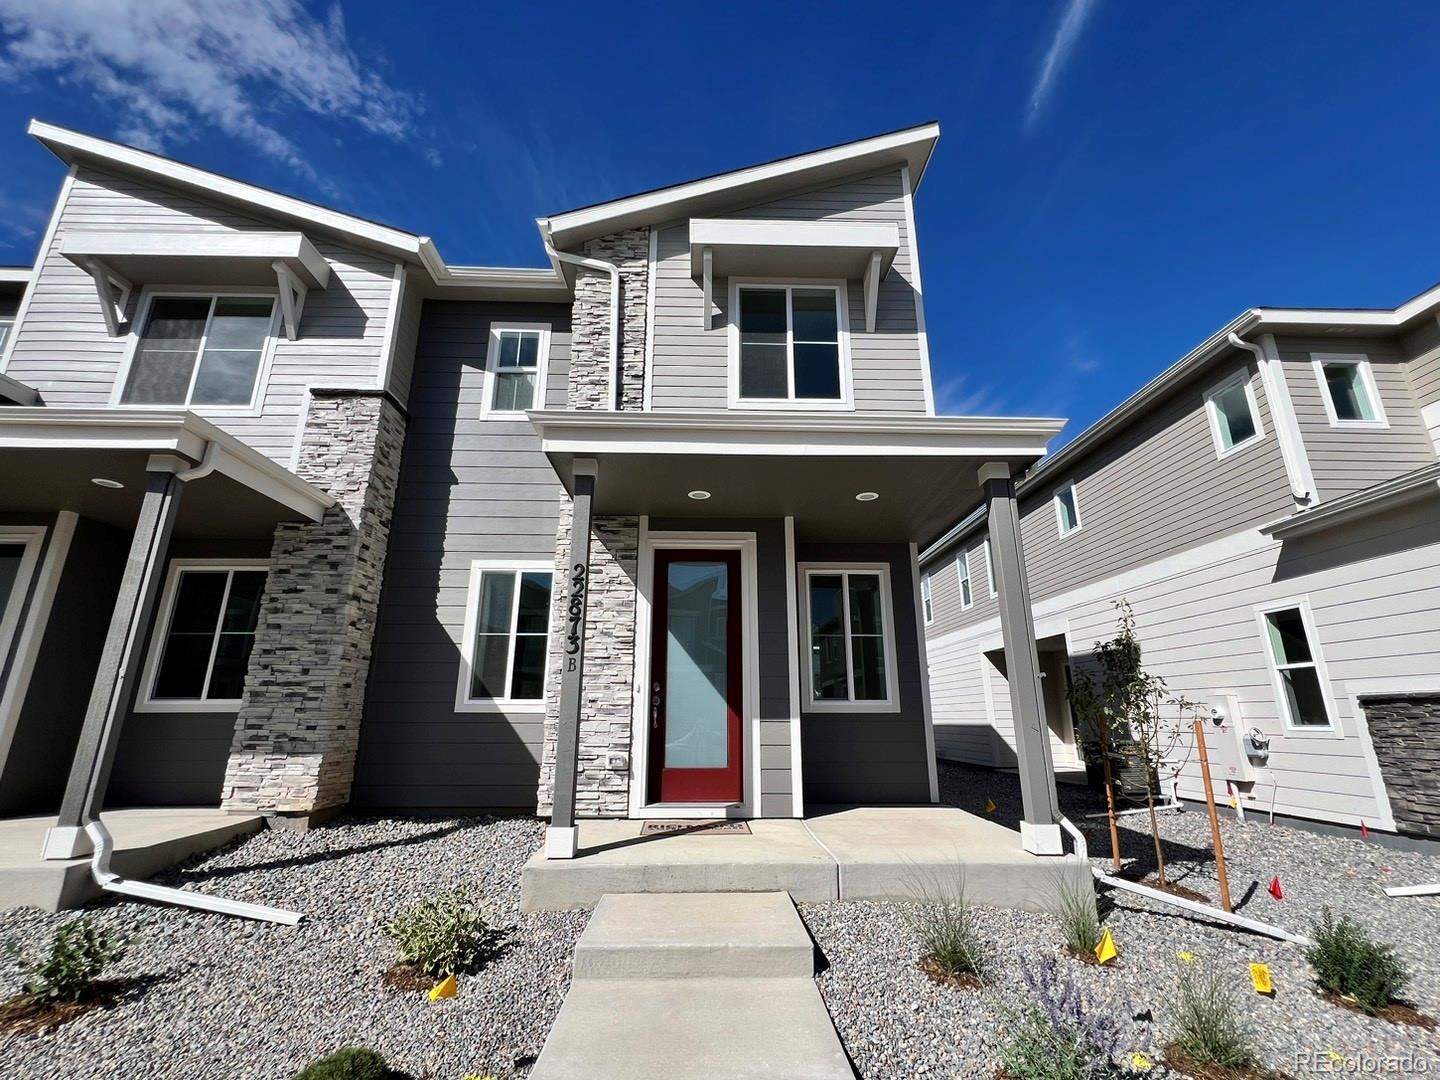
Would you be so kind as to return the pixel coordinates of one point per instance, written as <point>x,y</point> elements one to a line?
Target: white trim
<point>392,317</point>
<point>964,581</point>
<point>792,639</point>
<point>37,620</point>
<point>745,543</point>
<point>989,569</point>
<point>47,243</point>
<point>924,658</point>
<point>846,401</point>
<point>913,243</point>
<point>1055,498</point>
<point>1360,361</point>
<point>148,295</point>
<point>651,267</point>
<point>891,702</point>
<point>464,703</point>
<point>1242,380</point>
<point>30,538</point>
<point>492,356</point>
<point>927,599</point>
<point>145,700</point>
<point>1317,662</point>
<point>1287,424</point>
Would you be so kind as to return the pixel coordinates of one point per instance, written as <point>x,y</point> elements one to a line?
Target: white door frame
<point>650,543</point>
<point>31,597</point>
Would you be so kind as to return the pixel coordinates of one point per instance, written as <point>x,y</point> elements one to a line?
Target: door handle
<point>655,708</point>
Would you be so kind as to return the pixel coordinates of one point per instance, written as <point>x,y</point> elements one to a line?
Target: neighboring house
<point>1270,507</point>
<point>289,504</point>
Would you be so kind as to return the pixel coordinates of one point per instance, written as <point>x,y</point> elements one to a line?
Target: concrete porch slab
<point>146,842</point>
<point>851,854</point>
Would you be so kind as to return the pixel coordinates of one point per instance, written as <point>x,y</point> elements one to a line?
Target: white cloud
<point>1067,35</point>
<point>956,396</point>
<point>171,67</point>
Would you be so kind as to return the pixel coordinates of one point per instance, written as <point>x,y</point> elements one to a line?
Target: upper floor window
<point>926,602</point>
<point>962,565</point>
<point>850,640</point>
<point>507,622</point>
<point>515,367</point>
<point>1347,386</point>
<point>1234,419</point>
<point>1296,666</point>
<point>199,350</point>
<point>202,646</point>
<point>790,348</point>
<point>1067,510</point>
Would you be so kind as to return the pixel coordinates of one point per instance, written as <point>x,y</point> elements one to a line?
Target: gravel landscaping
<point>897,1024</point>
<point>228,998</point>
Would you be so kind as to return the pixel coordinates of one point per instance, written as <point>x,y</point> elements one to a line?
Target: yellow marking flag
<point>990,806</point>
<point>1187,957</point>
<point>446,988</point>
<point>1260,979</point>
<point>1106,951</point>
<point>1141,1062</point>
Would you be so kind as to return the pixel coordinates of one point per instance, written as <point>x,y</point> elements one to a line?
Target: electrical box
<point>1227,741</point>
<point>617,761</point>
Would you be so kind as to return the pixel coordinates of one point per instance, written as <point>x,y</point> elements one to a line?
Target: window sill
<point>840,707</point>
<point>497,706</point>
<point>227,706</point>
<point>1361,425</point>
<point>787,405</point>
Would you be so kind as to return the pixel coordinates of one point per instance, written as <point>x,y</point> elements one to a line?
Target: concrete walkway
<point>683,985</point>
<point>864,853</point>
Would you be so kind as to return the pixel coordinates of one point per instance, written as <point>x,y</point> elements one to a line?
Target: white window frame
<point>927,598</point>
<point>478,568</point>
<point>1317,657</point>
<point>30,538</point>
<point>1367,378</point>
<point>146,701</point>
<point>846,401</point>
<point>891,702</point>
<point>1212,412</point>
<point>492,356</point>
<point>1060,510</point>
<point>989,569</point>
<point>148,296</point>
<point>965,580</point>
<point>7,329</point>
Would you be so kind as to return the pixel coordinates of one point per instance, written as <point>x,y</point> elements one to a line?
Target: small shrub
<point>945,925</point>
<point>1061,1034</point>
<point>443,935</point>
<point>1210,1030</point>
<point>1078,915</point>
<point>351,1063</point>
<point>1352,965</point>
<point>78,956</point>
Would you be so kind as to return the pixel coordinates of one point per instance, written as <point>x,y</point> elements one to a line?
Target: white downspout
<point>614,272</point>
<point>1282,415</point>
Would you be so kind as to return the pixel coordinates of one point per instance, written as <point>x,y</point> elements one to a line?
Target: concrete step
<point>682,935</point>
<point>693,1029</point>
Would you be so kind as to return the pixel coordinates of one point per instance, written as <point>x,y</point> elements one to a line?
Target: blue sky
<point>1114,180</point>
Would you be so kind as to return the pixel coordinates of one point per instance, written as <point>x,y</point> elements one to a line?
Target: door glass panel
<point>697,690</point>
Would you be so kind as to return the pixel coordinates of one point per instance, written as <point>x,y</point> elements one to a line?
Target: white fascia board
<point>16,275</point>
<point>914,145</point>
<point>114,246</point>
<point>1383,496</point>
<point>850,241</point>
<point>70,145</point>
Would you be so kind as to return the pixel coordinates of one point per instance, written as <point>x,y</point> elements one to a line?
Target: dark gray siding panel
<point>469,489</point>
<point>871,757</point>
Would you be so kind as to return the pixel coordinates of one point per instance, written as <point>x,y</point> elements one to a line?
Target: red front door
<point>695,678</point>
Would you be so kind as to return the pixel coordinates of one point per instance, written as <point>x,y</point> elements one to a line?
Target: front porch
<point>841,853</point>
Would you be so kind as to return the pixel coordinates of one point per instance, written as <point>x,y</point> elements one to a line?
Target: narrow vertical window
<point>989,568</point>
<point>516,368</point>
<point>1293,659</point>
<point>208,635</point>
<point>925,599</point>
<point>962,564</point>
<point>1067,510</point>
<point>508,630</point>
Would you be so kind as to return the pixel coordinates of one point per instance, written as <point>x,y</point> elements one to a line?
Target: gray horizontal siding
<point>469,489</point>
<point>690,362</point>
<point>63,350</point>
<point>1350,459</point>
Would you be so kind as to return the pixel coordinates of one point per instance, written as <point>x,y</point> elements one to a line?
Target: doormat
<point>658,828</point>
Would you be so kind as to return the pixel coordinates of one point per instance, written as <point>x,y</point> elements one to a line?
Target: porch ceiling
<point>806,466</point>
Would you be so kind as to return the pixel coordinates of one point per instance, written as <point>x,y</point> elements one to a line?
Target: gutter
<point>1385,495</point>
<point>557,256</point>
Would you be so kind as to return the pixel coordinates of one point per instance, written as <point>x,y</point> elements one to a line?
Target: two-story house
<point>291,507</point>
<point>1270,507</point>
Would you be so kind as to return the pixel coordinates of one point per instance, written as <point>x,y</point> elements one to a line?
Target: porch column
<point>561,838</point>
<point>1039,831</point>
<point>119,660</point>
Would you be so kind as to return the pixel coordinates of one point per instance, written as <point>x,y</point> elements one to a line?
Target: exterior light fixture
<point>867,496</point>
<point>699,496</point>
<point>106,482</point>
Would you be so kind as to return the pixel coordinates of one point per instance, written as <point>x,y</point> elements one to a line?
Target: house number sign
<point>575,614</point>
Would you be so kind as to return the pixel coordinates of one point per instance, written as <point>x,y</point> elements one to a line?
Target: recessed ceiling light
<point>699,496</point>
<point>867,496</point>
<point>106,482</point>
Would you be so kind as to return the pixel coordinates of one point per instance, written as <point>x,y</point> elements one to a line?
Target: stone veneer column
<point>293,752</point>
<point>610,629</point>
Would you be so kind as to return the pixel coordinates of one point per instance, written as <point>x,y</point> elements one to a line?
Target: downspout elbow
<point>614,272</point>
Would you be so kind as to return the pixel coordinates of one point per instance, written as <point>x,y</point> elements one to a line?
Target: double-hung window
<point>1347,385</point>
<point>1234,418</point>
<point>200,350</point>
<point>515,367</point>
<point>507,623</point>
<point>790,347</point>
<point>202,649</point>
<point>850,638</point>
<point>967,594</point>
<point>1067,510</point>
<point>927,602</point>
<point>1296,666</point>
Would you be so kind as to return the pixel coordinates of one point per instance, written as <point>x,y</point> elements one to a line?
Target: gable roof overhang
<point>909,147</point>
